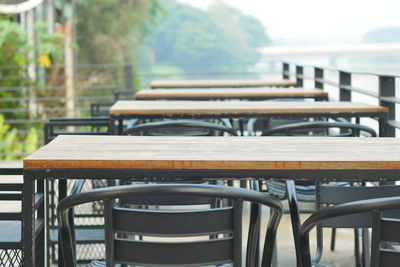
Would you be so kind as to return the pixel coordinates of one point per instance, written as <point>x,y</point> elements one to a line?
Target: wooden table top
<point>238,107</point>
<point>217,153</point>
<point>229,93</point>
<point>220,83</point>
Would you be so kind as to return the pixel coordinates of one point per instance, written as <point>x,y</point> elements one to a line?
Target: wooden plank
<point>220,83</point>
<point>239,107</point>
<point>217,153</point>
<point>229,93</point>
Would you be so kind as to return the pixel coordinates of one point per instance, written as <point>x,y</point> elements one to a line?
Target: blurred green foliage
<point>109,31</point>
<point>10,147</point>
<point>188,36</point>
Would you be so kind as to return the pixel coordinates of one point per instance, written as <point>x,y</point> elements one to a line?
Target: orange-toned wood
<point>221,153</point>
<point>229,93</point>
<point>220,83</point>
<point>239,107</point>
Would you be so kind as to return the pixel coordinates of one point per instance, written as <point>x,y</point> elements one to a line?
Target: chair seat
<point>10,231</point>
<point>83,235</point>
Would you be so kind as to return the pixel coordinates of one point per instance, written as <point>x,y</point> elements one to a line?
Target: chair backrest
<point>180,128</point>
<point>224,224</point>
<point>323,128</point>
<point>75,126</point>
<point>385,233</point>
<point>100,109</point>
<point>380,257</point>
<point>334,195</point>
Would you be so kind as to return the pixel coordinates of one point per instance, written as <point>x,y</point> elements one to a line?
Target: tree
<point>109,30</point>
<point>189,36</point>
<point>383,35</point>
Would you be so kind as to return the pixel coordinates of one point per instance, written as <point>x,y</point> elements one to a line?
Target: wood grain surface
<point>219,83</point>
<point>239,107</point>
<point>219,153</point>
<point>229,93</point>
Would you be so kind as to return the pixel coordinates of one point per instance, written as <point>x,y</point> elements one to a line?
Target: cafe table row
<point>177,158</point>
<point>142,158</point>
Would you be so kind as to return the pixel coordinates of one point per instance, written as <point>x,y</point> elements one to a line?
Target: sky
<point>317,21</point>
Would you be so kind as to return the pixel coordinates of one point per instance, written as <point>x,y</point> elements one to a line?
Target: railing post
<point>128,77</point>
<point>387,88</point>
<point>319,78</point>
<point>344,84</point>
<point>285,70</point>
<point>299,76</point>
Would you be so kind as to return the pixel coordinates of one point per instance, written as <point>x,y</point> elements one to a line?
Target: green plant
<point>10,145</point>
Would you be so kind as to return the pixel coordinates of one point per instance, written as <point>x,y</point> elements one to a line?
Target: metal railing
<point>381,88</point>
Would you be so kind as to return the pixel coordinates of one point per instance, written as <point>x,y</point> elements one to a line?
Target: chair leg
<point>366,247</point>
<point>333,239</point>
<point>357,248</point>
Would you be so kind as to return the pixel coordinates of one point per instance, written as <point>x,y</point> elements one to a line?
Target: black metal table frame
<point>116,120</point>
<point>33,175</point>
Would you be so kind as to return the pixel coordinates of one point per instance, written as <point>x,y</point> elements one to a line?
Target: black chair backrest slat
<point>208,252</point>
<point>389,258</point>
<point>166,200</point>
<point>389,230</point>
<point>10,216</point>
<point>173,223</point>
<point>10,196</point>
<point>11,187</point>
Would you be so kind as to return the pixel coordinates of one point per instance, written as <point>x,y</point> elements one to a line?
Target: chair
<point>225,223</point>
<point>100,109</point>
<point>90,218</point>
<point>75,126</point>
<point>180,128</point>
<point>328,195</point>
<point>384,230</point>
<point>306,191</point>
<point>11,237</point>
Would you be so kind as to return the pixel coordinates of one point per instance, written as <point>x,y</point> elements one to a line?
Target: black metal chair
<point>384,230</point>
<point>11,233</point>
<point>306,191</point>
<point>225,223</point>
<point>90,217</point>
<point>180,128</point>
<point>100,109</point>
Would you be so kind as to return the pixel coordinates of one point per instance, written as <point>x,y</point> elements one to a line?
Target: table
<point>221,83</point>
<point>241,109</point>
<point>230,93</point>
<point>170,158</point>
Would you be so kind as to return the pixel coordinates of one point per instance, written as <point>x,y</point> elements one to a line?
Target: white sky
<point>318,21</point>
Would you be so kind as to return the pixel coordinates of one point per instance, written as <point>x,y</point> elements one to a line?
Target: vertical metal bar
<point>128,77</point>
<point>318,78</point>
<point>109,231</point>
<point>387,89</point>
<point>28,222</point>
<point>62,193</point>
<point>237,229</point>
<point>41,248</point>
<point>285,71</point>
<point>344,81</point>
<point>299,76</point>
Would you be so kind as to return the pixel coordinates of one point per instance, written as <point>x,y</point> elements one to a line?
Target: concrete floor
<point>343,256</point>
